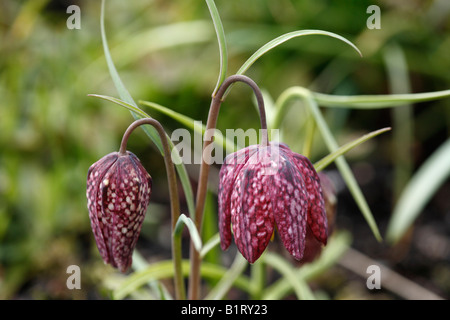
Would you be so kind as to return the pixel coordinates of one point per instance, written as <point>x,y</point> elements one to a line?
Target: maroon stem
<point>173,194</point>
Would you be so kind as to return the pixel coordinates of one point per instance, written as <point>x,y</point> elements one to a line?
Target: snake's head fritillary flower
<point>118,193</point>
<point>261,187</point>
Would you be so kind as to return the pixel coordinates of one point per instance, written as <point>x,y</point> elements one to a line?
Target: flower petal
<point>317,216</point>
<point>232,165</point>
<point>96,174</point>
<point>251,213</point>
<point>118,192</point>
<point>126,200</point>
<point>290,204</point>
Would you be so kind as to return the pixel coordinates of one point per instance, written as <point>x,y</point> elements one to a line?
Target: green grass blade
<point>181,118</point>
<point>301,288</point>
<point>210,230</point>
<point>150,131</point>
<point>376,101</point>
<point>418,192</point>
<point>269,106</point>
<point>218,26</point>
<point>120,87</point>
<point>324,162</point>
<point>286,37</point>
<point>402,118</point>
<point>219,139</point>
<point>183,220</point>
<point>164,270</point>
<point>282,39</point>
<point>226,282</point>
<point>330,141</point>
<point>210,244</point>
<point>158,289</point>
<point>122,103</point>
<point>337,245</point>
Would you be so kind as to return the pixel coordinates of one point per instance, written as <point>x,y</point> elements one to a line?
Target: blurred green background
<point>166,52</point>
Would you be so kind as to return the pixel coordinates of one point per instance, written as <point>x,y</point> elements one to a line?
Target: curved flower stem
<point>180,291</point>
<point>217,99</point>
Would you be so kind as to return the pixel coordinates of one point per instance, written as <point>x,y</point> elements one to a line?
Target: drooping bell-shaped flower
<point>118,193</point>
<point>261,187</point>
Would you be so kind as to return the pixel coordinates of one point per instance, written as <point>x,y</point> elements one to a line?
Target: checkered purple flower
<point>263,187</point>
<point>118,193</point>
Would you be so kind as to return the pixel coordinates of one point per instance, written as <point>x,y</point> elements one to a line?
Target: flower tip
<point>124,268</point>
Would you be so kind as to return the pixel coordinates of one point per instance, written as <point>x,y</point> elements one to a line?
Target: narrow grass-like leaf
<point>183,220</point>
<point>286,37</point>
<point>402,118</point>
<point>376,101</point>
<point>120,87</point>
<point>181,118</point>
<point>301,288</point>
<point>269,106</point>
<point>418,192</point>
<point>210,244</point>
<point>158,289</point>
<point>210,229</point>
<point>331,157</point>
<point>150,131</point>
<point>219,139</point>
<point>330,141</point>
<point>282,39</point>
<point>218,26</point>
<point>331,253</point>
<point>122,103</point>
<point>164,270</point>
<point>228,279</point>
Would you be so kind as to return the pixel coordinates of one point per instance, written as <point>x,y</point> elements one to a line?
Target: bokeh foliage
<point>166,51</point>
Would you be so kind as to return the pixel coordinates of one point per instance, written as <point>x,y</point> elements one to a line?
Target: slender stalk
<point>180,292</point>
<point>217,99</point>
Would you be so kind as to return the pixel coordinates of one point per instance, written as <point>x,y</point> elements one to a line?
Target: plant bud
<point>118,193</point>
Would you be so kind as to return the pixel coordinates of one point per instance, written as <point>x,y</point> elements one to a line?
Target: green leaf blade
<point>286,37</point>
<point>190,123</point>
<point>376,101</point>
<point>220,33</point>
<point>331,157</point>
<point>418,192</point>
<point>183,220</point>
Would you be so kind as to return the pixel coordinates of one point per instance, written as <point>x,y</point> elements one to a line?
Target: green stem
<point>180,291</point>
<point>257,280</point>
<point>309,137</point>
<point>217,99</point>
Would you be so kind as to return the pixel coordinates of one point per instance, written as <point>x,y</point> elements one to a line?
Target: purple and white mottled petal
<point>96,174</point>
<point>121,198</point>
<point>128,195</point>
<point>290,205</point>
<point>251,216</point>
<point>233,163</point>
<point>317,216</point>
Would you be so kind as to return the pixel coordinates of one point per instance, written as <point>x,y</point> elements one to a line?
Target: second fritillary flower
<point>261,187</point>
